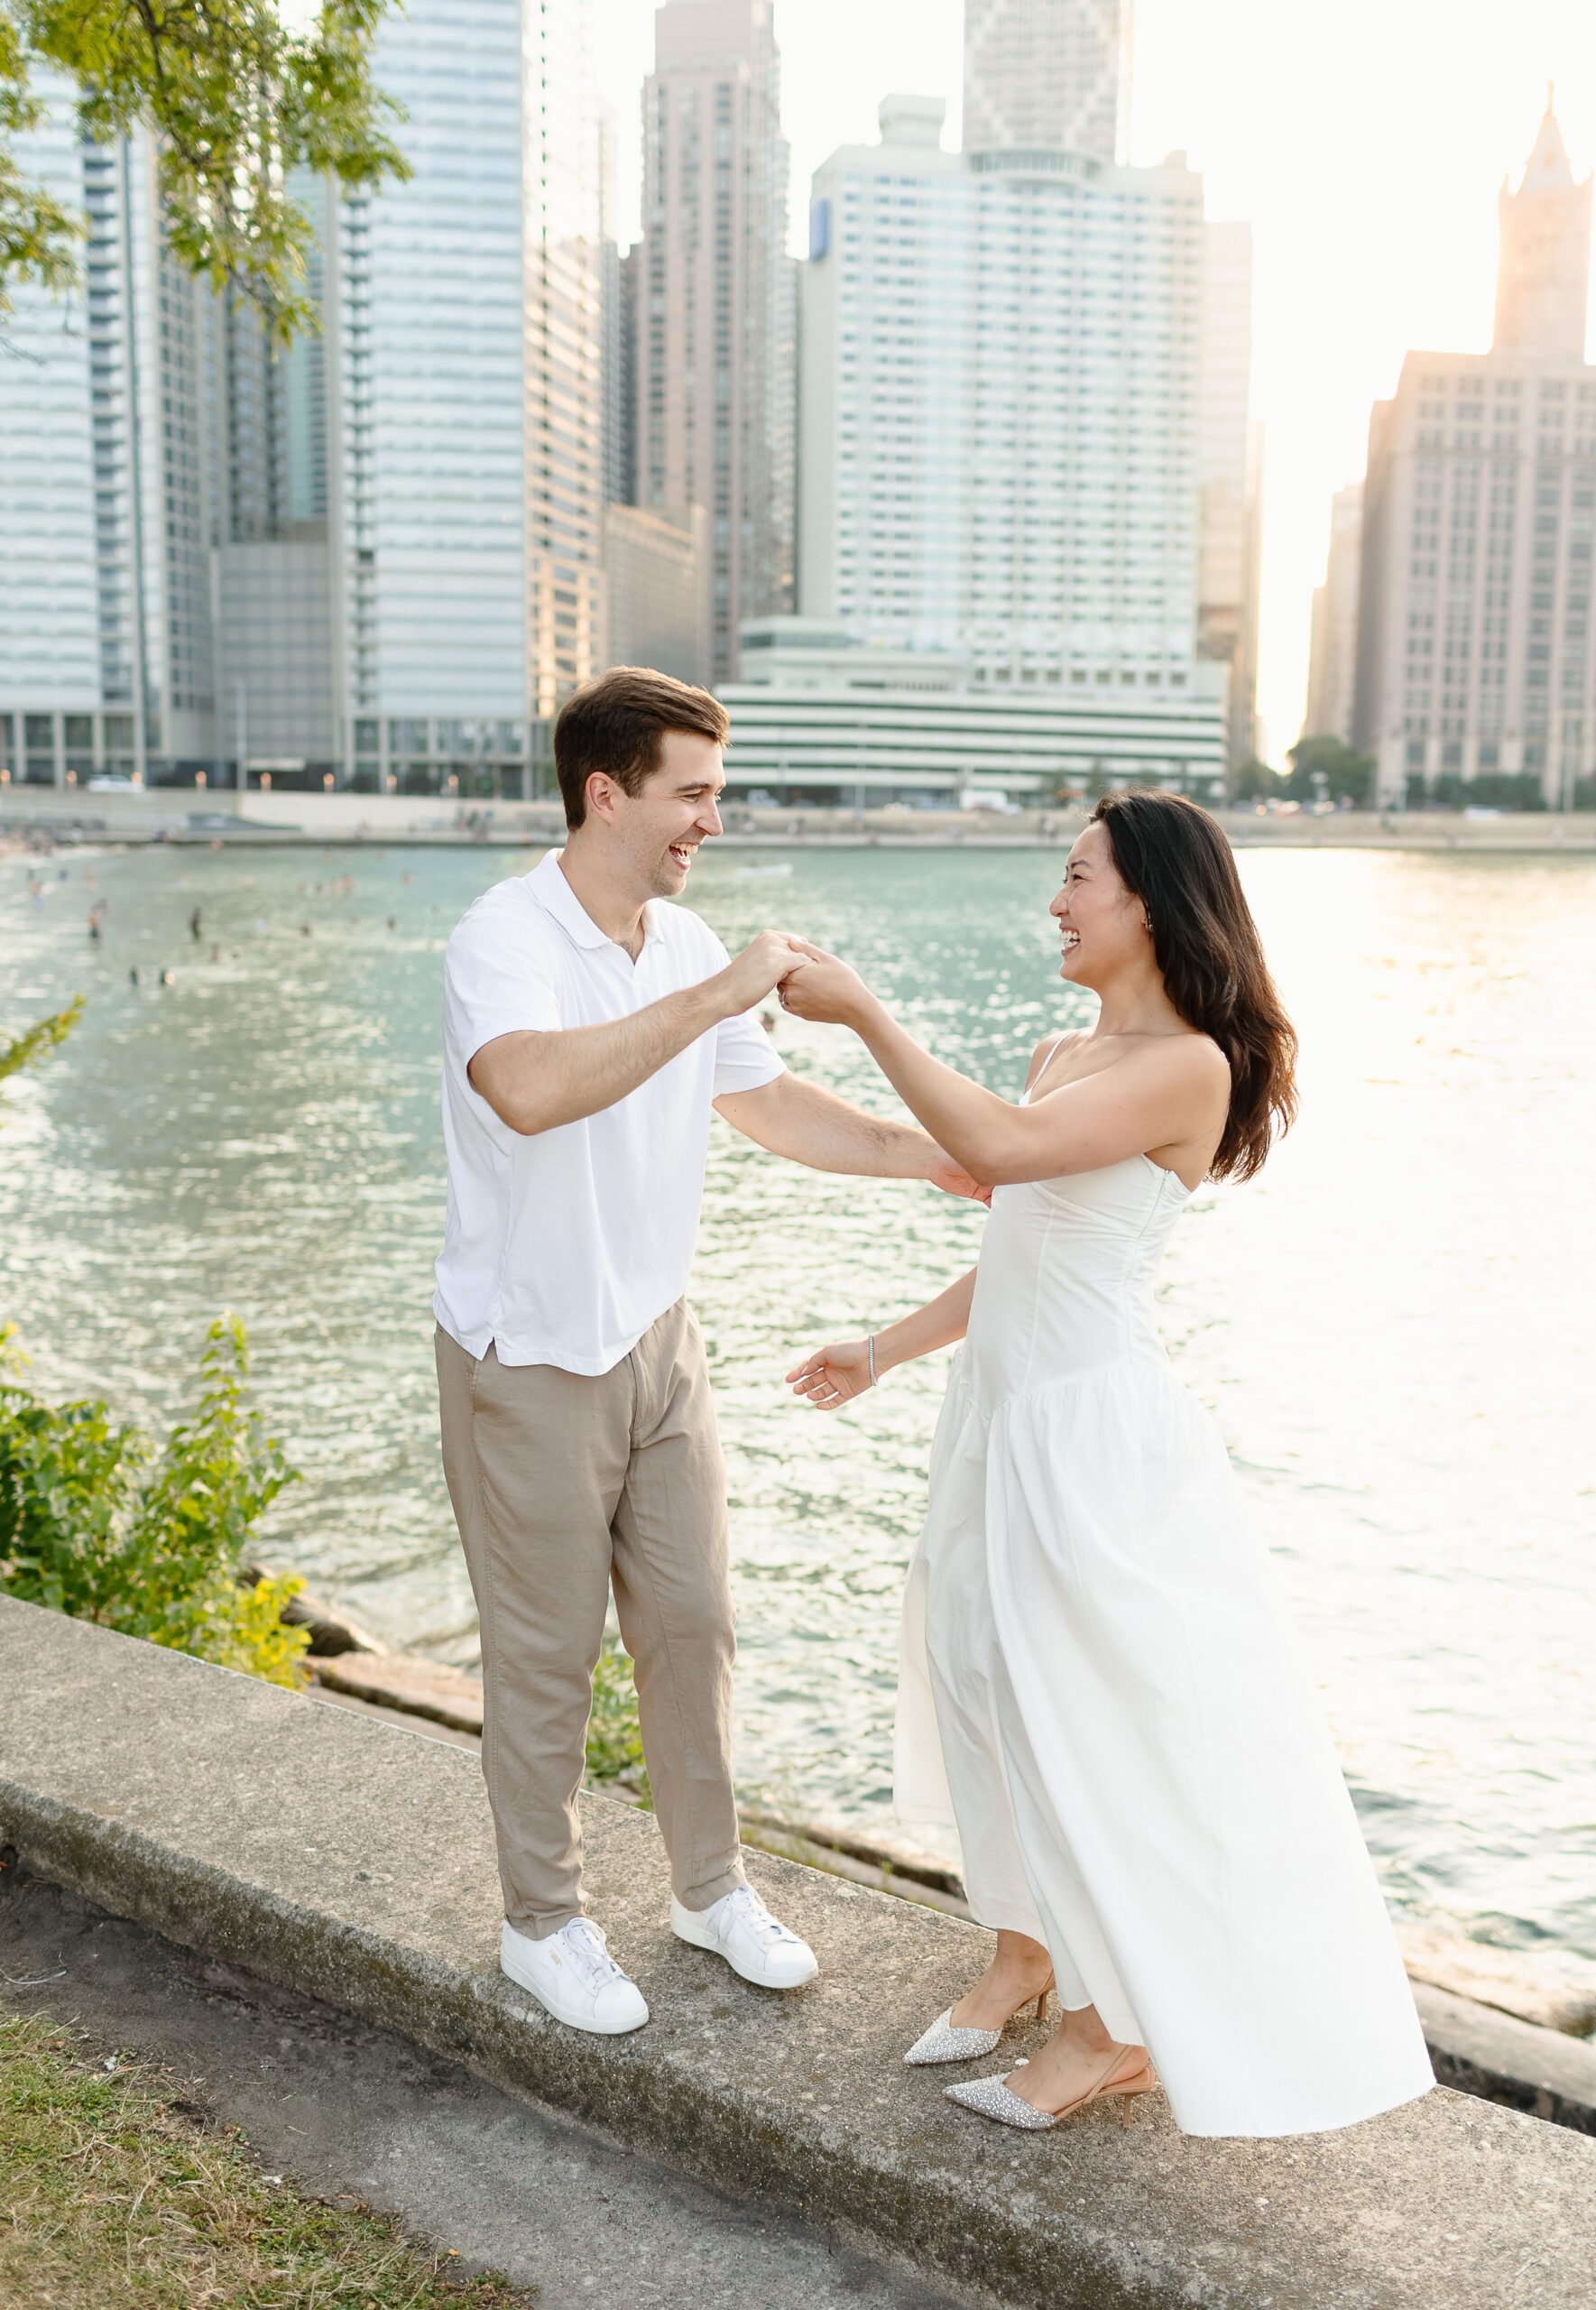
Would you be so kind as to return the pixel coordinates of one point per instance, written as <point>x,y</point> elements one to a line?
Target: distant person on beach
<point>589,1026</point>
<point>1098,1691</point>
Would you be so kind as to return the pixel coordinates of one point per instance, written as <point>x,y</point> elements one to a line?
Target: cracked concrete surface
<point>347,2111</point>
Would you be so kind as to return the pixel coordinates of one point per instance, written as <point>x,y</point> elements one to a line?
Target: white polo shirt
<point>564,1247</point>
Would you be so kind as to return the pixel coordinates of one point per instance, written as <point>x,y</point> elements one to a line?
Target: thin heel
<point>1042,2005</point>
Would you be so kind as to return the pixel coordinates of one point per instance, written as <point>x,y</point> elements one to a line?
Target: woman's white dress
<point>1100,1694</point>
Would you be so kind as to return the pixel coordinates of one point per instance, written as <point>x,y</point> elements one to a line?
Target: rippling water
<point>1393,1325</point>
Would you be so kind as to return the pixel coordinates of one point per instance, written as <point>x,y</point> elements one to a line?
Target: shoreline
<point>181,819</point>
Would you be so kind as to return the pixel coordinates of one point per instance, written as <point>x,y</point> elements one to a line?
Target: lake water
<point>1393,1325</point>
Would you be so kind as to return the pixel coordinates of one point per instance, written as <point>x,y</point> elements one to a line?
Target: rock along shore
<point>352,1860</point>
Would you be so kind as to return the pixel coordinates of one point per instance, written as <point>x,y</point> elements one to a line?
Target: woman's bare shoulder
<point>1195,1059</point>
<point>1044,1050</point>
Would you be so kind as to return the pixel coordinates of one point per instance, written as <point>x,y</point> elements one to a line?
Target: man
<point>588,1027</point>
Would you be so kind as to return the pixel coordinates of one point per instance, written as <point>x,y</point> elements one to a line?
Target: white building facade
<point>1000,397</point>
<point>1475,656</point>
<point>819,717</point>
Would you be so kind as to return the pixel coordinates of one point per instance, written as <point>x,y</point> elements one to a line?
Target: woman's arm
<point>833,1376</point>
<point>1155,1096</point>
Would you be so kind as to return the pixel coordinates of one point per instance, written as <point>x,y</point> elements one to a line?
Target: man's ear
<point>601,791</point>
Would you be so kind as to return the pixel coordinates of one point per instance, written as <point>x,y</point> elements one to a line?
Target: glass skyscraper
<point>375,559</point>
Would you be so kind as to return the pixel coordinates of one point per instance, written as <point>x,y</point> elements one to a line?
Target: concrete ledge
<point>352,1860</point>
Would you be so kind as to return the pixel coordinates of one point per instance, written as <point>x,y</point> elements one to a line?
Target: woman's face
<point>1103,923</point>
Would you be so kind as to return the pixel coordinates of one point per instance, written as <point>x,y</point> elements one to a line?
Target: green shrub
<point>614,1742</point>
<point>98,1520</point>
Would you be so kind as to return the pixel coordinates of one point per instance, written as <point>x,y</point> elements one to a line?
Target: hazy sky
<point>1364,139</point>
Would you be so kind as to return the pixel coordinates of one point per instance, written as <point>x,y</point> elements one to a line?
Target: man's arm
<point>813,1126</point>
<point>535,1080</point>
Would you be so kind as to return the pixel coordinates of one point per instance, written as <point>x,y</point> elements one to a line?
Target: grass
<point>114,2195</point>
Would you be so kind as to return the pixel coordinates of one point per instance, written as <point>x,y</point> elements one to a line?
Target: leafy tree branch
<point>236,103</point>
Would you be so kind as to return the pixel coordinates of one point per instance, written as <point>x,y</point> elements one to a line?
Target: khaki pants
<point>562,1484</point>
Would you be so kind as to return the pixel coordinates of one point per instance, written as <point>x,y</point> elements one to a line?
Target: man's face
<point>659,830</point>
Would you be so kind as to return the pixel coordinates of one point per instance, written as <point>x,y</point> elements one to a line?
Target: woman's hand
<point>827,988</point>
<point>833,1376</point>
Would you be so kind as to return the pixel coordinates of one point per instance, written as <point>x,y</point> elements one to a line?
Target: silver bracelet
<point>870,1344</point>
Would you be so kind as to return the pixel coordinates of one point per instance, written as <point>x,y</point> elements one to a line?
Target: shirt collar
<point>555,895</point>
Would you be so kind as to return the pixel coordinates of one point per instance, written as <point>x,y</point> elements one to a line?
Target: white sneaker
<point>572,1975</point>
<point>739,1928</point>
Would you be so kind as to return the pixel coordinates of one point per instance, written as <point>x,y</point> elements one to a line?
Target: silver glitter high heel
<point>991,2097</point>
<point>943,2042</point>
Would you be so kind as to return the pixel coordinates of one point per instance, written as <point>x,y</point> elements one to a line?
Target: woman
<point>1096,1688</point>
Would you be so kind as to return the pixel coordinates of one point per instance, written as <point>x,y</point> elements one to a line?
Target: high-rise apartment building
<point>1047,75</point>
<point>714,355</point>
<point>617,366</point>
<point>1475,655</point>
<point>1332,647</point>
<point>1002,373</point>
<point>105,644</point>
<point>1230,460</point>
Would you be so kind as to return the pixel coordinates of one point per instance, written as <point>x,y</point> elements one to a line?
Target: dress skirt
<point>1101,1695</point>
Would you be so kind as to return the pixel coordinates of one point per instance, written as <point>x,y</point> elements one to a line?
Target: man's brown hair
<point>615,724</point>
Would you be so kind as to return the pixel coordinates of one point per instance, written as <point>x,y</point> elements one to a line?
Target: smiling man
<point>588,1027</point>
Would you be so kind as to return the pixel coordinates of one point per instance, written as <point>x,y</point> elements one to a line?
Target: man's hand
<point>829,989</point>
<point>762,964</point>
<point>945,1174</point>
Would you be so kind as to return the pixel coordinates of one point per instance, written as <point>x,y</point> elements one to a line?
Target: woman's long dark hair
<point>1176,859</point>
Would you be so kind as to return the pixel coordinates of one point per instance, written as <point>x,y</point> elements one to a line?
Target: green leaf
<point>237,104</point>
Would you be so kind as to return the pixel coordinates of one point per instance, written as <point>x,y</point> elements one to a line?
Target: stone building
<point>1475,658</point>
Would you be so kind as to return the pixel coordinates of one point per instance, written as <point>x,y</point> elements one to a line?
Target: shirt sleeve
<point>745,1058</point>
<point>498,980</point>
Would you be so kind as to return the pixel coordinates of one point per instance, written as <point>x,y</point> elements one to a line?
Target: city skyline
<point>1373,206</point>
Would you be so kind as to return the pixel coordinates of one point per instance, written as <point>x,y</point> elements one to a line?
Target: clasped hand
<point>823,988</point>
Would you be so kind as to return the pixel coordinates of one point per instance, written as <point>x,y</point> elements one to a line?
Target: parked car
<point>107,781</point>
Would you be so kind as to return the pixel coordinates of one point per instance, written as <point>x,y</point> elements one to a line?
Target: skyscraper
<point>1229,480</point>
<point>1047,75</point>
<point>1475,657</point>
<point>1544,268</point>
<point>715,353</point>
<point>376,557</point>
<point>567,217</point>
<point>464,318</point>
<point>1332,647</point>
<point>1001,368</point>
<point>105,657</point>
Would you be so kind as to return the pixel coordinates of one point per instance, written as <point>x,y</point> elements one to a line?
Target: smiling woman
<point>1190,1063</point>
<point>1097,1690</point>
